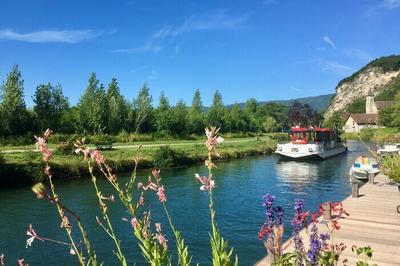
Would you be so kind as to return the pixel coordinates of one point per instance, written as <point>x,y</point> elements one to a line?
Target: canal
<point>241,185</point>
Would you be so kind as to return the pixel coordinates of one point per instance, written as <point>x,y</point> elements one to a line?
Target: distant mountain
<point>319,103</point>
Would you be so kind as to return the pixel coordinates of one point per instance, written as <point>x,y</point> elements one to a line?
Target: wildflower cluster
<point>319,251</point>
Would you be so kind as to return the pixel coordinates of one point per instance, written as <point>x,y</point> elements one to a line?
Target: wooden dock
<point>373,221</point>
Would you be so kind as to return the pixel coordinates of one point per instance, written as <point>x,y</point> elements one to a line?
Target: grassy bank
<point>379,135</point>
<point>27,167</point>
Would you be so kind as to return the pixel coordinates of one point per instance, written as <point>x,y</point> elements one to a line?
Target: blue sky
<point>266,49</point>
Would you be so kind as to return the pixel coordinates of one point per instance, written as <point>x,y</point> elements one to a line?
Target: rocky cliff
<point>374,78</point>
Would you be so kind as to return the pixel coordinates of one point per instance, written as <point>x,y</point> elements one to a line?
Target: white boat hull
<point>304,153</point>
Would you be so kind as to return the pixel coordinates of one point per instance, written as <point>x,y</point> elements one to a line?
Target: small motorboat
<point>363,167</point>
<point>389,150</point>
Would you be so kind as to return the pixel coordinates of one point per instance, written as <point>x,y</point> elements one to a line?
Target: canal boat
<point>363,167</point>
<point>389,150</point>
<point>308,143</point>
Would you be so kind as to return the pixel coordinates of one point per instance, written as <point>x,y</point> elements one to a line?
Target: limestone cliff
<point>374,78</point>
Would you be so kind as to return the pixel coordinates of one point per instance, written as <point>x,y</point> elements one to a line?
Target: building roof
<point>384,104</point>
<point>365,118</point>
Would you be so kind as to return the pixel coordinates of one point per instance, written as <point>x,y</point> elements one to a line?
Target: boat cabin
<point>300,135</point>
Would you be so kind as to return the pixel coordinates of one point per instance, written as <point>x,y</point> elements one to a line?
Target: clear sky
<point>266,49</point>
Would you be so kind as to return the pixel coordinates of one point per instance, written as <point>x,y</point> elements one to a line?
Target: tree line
<point>103,110</point>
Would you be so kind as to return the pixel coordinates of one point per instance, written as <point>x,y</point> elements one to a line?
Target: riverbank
<point>18,168</point>
<point>377,135</point>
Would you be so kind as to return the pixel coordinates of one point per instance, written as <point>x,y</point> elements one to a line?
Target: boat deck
<point>373,221</point>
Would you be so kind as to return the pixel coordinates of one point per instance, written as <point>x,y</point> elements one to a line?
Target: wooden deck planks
<point>373,221</point>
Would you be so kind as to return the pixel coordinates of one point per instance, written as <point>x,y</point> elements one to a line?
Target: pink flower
<point>141,201</point>
<point>160,237</point>
<point>65,223</point>
<point>32,235</point>
<point>208,183</point>
<point>212,138</point>
<point>2,260</point>
<point>98,157</point>
<point>156,174</point>
<point>21,262</point>
<point>86,152</point>
<point>161,194</point>
<point>134,222</point>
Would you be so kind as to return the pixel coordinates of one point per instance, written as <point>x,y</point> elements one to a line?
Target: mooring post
<point>371,178</point>
<point>355,187</point>
<point>326,214</point>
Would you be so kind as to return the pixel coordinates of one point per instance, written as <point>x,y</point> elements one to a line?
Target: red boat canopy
<point>300,129</point>
<point>323,129</point>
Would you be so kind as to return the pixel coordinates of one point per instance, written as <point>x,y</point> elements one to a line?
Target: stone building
<point>356,122</point>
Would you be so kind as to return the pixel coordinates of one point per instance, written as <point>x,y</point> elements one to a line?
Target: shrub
<point>168,157</point>
<point>366,133</point>
<point>66,148</point>
<point>392,167</point>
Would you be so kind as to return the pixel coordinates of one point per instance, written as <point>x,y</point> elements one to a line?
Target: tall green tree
<point>163,118</point>
<point>118,108</point>
<point>143,111</point>
<point>179,119</point>
<point>93,108</point>
<point>12,108</point>
<point>217,111</point>
<point>250,108</point>
<point>196,115</point>
<point>236,119</point>
<point>50,106</point>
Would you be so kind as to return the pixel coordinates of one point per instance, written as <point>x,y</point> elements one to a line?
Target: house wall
<point>351,126</point>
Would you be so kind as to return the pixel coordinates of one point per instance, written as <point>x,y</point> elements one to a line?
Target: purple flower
<point>315,246</point>
<point>269,212</point>
<point>279,214</point>
<point>297,223</point>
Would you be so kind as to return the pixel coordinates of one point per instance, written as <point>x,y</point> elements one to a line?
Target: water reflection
<point>297,172</point>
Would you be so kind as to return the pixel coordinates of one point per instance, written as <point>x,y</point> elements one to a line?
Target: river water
<point>241,185</point>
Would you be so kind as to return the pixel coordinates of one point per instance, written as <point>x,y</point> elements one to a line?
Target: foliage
<point>385,116</point>
<point>66,148</point>
<point>50,106</point>
<point>335,121</point>
<point>396,111</point>
<point>143,111</point>
<point>303,115</point>
<point>168,157</point>
<point>356,107</point>
<point>366,134</point>
<point>392,167</point>
<point>366,252</point>
<point>217,111</point>
<point>14,115</point>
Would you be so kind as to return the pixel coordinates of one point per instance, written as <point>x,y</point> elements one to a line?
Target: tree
<point>250,107</point>
<point>270,125</point>
<point>303,115</point>
<point>143,110</point>
<point>179,119</point>
<point>196,116</point>
<point>93,108</point>
<point>50,106</point>
<point>13,109</point>
<point>216,112</point>
<point>396,111</point>
<point>335,121</point>
<point>236,119</point>
<point>163,119</point>
<point>118,109</point>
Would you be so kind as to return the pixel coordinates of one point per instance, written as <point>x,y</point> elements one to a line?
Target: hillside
<point>381,78</point>
<point>319,103</point>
